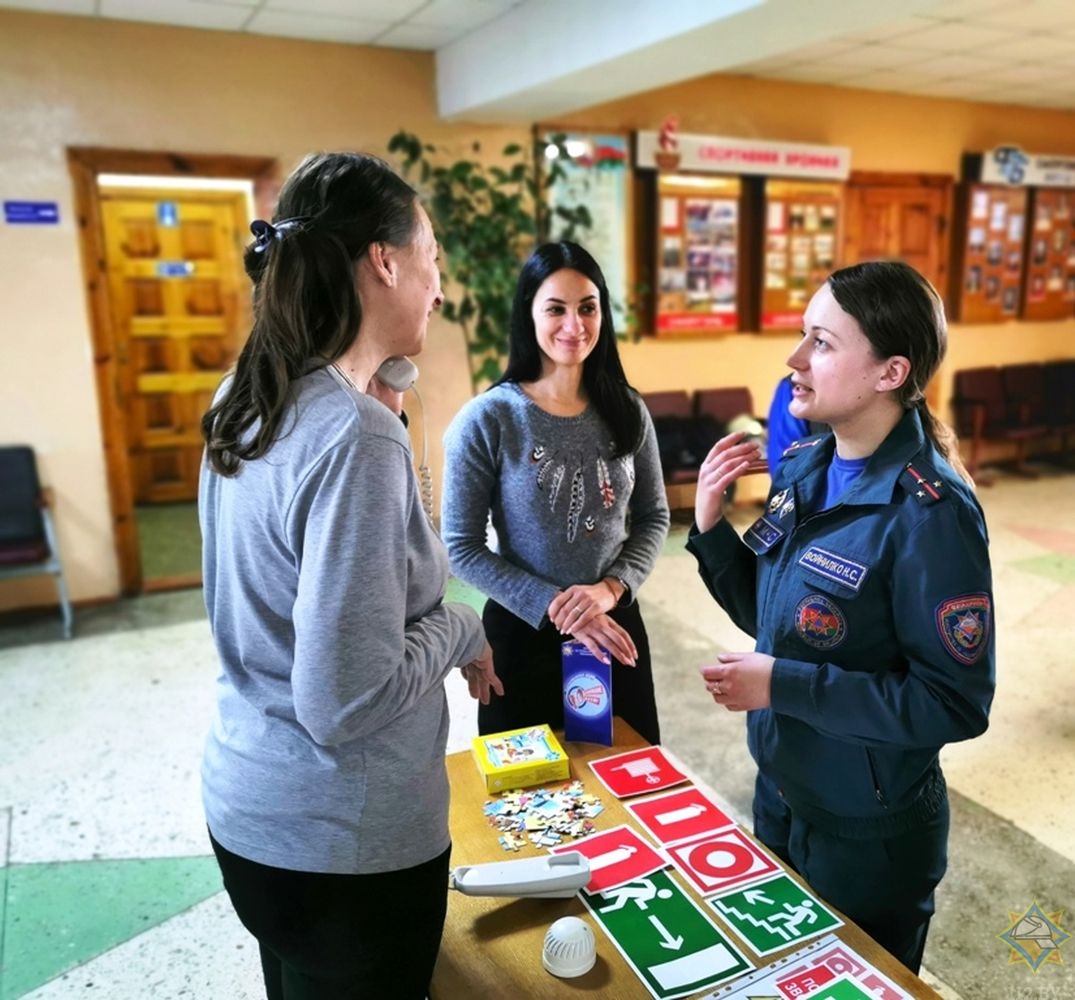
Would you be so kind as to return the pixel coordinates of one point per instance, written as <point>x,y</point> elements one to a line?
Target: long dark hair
<point>900,313</point>
<point>602,372</point>
<point>306,304</point>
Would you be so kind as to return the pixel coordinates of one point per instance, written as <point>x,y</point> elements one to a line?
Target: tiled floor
<point>109,890</point>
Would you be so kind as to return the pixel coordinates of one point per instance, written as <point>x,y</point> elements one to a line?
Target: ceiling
<point>512,60</point>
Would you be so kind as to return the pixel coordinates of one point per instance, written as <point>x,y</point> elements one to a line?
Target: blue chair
<point>27,535</point>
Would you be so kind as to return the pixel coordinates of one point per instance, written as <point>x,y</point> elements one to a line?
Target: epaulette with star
<point>922,481</point>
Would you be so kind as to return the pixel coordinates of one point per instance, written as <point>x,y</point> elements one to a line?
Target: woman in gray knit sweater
<point>324,583</point>
<point>562,454</point>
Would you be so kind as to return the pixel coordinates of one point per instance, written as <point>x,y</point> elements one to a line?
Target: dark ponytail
<point>306,304</point>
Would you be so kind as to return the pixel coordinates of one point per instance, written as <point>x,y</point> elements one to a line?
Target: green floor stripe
<point>61,914</point>
<point>1054,566</point>
<point>463,593</point>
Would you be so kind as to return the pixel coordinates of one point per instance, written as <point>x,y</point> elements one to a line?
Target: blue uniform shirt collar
<point>877,484</point>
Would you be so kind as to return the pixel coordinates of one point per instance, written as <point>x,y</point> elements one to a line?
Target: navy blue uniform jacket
<point>879,614</point>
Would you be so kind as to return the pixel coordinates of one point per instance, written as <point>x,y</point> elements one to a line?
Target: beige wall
<point>71,81</point>
<point>87,82</point>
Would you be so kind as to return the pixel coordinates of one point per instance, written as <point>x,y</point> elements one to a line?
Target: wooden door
<point>174,265</point>
<point>900,217</point>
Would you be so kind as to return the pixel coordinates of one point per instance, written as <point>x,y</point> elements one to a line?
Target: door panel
<point>903,222</point>
<point>174,263</point>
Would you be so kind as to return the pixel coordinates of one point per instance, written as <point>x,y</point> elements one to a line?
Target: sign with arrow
<point>673,946</point>
<point>679,815</point>
<point>616,856</point>
<point>775,914</point>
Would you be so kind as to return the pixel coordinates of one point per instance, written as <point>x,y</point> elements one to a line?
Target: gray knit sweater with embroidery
<point>563,510</point>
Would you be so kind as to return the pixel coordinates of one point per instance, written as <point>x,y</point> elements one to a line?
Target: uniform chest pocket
<point>834,571</point>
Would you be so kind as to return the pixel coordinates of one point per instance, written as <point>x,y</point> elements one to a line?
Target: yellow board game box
<point>519,758</point>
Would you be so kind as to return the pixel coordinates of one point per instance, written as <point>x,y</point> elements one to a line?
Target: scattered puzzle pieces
<point>545,817</point>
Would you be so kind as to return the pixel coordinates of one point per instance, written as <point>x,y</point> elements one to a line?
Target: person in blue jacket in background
<point>782,429</point>
<point>867,585</point>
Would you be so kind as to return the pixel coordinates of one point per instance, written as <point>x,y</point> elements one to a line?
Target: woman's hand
<point>603,633</point>
<point>740,681</point>
<point>580,604</point>
<point>727,460</point>
<point>481,677</point>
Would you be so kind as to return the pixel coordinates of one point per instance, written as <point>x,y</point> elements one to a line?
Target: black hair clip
<point>265,232</point>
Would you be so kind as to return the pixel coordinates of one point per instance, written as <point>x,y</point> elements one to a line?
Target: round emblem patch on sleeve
<point>820,622</point>
<point>963,624</point>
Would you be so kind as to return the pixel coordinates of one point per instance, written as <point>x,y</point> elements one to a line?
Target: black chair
<point>673,423</point>
<point>985,412</point>
<point>27,535</point>
<point>1058,392</point>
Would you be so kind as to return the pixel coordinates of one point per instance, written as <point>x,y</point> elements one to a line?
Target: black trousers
<point>885,885</point>
<point>528,662</point>
<point>341,937</point>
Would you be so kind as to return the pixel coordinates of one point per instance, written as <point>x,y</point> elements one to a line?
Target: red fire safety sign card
<point>636,772</point>
<point>679,815</point>
<point>716,861</point>
<point>616,856</point>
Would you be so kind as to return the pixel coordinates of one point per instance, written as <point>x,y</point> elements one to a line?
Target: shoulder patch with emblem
<point>963,624</point>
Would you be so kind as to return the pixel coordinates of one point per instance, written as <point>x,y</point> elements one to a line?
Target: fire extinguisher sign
<point>637,771</point>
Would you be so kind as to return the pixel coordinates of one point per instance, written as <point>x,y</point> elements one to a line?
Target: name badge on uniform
<point>763,534</point>
<point>833,567</point>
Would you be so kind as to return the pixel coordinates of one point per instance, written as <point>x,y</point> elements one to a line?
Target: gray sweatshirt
<point>324,584</point>
<point>564,511</point>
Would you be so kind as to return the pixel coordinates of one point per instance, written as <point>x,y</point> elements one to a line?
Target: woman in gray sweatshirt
<point>324,583</point>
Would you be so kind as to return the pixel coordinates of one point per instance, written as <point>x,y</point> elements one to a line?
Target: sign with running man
<point>674,947</point>
<point>775,914</point>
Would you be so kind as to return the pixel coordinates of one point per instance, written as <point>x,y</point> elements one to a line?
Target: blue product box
<point>587,695</point>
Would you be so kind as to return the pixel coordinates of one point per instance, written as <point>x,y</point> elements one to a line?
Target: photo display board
<point>991,278</point>
<point>596,175</point>
<point>698,223</point>
<point>1049,289</point>
<point>803,223</point>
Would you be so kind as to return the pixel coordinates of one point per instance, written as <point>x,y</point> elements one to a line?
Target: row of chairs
<point>688,425</point>
<point>1024,405</point>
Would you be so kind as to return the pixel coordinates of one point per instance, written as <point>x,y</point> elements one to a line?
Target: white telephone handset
<point>398,373</point>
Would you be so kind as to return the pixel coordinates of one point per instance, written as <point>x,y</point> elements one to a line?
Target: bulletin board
<point>803,236</point>
<point>598,176</point>
<point>1049,289</point>
<point>697,248</point>
<point>993,237</point>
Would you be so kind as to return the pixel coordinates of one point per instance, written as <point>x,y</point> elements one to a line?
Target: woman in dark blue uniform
<point>866,583</point>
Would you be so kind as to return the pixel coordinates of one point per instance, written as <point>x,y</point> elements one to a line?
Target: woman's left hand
<point>740,681</point>
<point>580,604</point>
<point>482,681</point>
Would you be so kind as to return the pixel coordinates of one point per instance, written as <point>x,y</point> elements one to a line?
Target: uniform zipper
<point>873,776</point>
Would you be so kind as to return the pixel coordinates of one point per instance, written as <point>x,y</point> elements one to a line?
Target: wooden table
<point>492,945</point>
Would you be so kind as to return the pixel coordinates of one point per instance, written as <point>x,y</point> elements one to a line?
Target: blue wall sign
<point>167,213</point>
<point>174,268</point>
<point>31,213</point>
